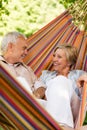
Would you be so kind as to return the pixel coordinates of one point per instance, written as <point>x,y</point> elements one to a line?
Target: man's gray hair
<point>10,37</point>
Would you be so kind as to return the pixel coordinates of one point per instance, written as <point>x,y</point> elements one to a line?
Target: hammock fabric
<point>19,108</point>
<point>58,31</point>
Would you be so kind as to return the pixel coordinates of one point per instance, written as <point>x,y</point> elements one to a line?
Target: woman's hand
<point>81,80</point>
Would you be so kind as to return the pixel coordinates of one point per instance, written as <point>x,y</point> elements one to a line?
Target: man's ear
<point>10,46</point>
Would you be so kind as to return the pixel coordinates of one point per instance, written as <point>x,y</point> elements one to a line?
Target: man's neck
<point>8,59</point>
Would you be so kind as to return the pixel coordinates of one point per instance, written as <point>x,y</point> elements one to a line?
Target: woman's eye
<point>59,56</point>
<point>53,55</point>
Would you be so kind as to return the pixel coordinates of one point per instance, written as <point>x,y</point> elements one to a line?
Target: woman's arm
<point>75,106</point>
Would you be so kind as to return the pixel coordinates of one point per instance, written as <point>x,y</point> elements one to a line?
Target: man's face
<point>19,50</point>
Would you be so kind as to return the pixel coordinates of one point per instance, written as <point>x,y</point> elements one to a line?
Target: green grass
<point>85,122</point>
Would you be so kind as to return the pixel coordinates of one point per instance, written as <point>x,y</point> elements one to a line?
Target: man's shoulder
<point>1,58</point>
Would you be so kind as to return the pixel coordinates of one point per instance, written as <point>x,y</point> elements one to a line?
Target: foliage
<point>67,3</point>
<point>3,9</point>
<point>85,122</point>
<point>27,16</point>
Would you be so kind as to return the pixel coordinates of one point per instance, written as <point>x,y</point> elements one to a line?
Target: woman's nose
<point>55,58</point>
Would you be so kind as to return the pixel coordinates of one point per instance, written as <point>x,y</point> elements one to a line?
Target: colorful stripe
<point>43,42</point>
<point>19,107</point>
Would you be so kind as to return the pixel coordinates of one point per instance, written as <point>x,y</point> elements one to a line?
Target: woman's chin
<point>55,68</point>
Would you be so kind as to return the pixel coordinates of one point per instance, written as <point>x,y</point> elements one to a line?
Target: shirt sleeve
<point>47,75</point>
<point>74,75</point>
<point>42,79</point>
<point>34,77</point>
<point>37,81</point>
<point>44,76</point>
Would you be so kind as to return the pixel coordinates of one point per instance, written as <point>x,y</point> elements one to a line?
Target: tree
<point>3,9</point>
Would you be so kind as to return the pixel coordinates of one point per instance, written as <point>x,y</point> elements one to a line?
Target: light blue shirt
<point>73,75</point>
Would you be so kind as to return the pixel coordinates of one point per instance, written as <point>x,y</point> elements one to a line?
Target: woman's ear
<point>69,64</point>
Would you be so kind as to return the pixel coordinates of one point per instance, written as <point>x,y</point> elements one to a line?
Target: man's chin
<point>21,60</point>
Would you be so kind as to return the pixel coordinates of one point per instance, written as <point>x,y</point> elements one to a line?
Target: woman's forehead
<point>59,50</point>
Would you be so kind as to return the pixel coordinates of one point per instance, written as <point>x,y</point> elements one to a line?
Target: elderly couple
<point>59,86</point>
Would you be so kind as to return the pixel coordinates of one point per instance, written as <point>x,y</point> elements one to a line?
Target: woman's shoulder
<point>76,73</point>
<point>48,72</point>
<point>47,75</point>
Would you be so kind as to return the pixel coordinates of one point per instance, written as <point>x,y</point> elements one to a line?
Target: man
<point>14,48</point>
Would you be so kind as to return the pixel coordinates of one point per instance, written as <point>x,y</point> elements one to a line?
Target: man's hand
<point>40,92</point>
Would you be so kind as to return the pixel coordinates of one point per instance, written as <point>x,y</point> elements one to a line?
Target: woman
<point>62,101</point>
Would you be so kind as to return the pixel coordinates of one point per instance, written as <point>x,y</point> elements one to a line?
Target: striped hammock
<point>58,31</point>
<point>18,109</point>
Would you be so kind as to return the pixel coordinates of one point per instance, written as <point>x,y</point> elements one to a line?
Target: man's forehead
<point>22,37</point>
<point>22,40</point>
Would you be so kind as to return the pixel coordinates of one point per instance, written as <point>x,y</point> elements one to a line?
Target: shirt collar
<point>16,64</point>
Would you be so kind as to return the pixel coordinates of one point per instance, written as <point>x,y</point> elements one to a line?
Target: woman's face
<point>60,62</point>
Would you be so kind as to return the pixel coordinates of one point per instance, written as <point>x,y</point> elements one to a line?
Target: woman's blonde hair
<point>70,51</point>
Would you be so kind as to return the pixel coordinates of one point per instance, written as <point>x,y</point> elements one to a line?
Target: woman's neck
<point>64,72</point>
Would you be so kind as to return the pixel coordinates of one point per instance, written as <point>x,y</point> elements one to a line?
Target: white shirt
<point>59,92</point>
